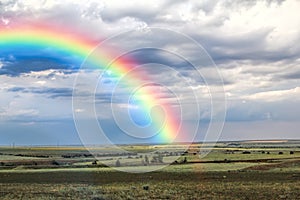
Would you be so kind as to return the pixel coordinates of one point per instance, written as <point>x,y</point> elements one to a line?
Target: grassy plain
<point>232,170</point>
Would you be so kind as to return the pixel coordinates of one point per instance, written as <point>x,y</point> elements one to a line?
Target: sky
<point>209,58</point>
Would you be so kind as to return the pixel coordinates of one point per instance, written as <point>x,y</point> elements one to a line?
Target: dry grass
<point>162,185</point>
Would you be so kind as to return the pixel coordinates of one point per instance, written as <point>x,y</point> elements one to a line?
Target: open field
<point>232,170</point>
<point>162,185</point>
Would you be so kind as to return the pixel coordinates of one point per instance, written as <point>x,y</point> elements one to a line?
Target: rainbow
<point>70,42</point>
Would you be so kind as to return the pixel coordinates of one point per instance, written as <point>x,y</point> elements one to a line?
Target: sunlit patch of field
<point>209,167</point>
<point>265,141</point>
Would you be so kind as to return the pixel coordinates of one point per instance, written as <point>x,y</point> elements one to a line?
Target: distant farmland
<point>231,170</point>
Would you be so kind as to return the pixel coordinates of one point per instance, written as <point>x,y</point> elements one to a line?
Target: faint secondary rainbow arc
<point>63,39</point>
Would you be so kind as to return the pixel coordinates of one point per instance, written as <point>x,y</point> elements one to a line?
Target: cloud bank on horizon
<point>253,43</point>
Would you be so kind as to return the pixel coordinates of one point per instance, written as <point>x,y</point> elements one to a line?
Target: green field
<point>239,170</point>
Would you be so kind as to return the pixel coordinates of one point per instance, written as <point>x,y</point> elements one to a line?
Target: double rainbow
<point>72,43</point>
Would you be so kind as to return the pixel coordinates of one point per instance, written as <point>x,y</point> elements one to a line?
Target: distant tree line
<point>86,155</point>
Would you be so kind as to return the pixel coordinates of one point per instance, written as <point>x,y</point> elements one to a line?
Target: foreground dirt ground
<point>155,185</point>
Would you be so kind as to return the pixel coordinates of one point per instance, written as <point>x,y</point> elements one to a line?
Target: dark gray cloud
<point>51,92</point>
<point>251,46</point>
<point>263,111</point>
<point>291,73</point>
<point>295,75</point>
<point>29,64</point>
<point>160,56</point>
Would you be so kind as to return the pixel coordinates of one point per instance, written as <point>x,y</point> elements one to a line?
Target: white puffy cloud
<point>277,95</point>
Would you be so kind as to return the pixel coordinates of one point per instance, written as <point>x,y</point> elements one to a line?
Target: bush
<point>160,158</point>
<point>145,187</point>
<point>54,162</point>
<point>94,162</point>
<point>246,152</point>
<point>146,160</point>
<point>118,163</point>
